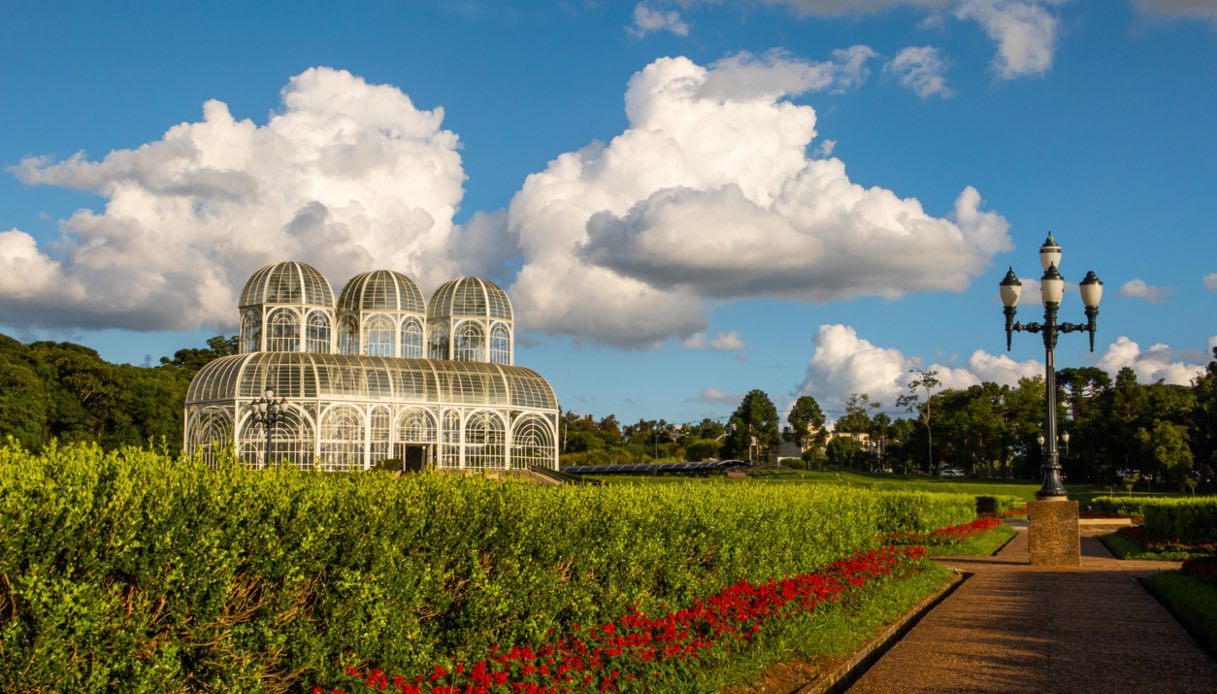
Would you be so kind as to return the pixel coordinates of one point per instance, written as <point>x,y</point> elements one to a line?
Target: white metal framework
<point>357,386</point>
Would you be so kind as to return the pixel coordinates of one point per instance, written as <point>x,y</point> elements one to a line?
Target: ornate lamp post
<point>1052,287</point>
<point>268,413</point>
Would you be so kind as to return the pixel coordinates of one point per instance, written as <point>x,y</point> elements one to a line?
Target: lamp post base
<point>1052,533</point>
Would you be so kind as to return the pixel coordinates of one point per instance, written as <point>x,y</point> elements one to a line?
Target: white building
<point>358,387</point>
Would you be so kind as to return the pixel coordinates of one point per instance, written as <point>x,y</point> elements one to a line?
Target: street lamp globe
<point>1011,289</point>
<point>1092,290</point>
<point>1052,286</point>
<point>1050,253</point>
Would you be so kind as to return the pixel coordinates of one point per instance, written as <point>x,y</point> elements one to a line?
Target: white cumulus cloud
<point>1158,363</point>
<point>649,20</point>
<point>1138,289</point>
<point>713,396</point>
<point>921,69</point>
<point>347,175</point>
<point>711,192</point>
<point>1025,33</point>
<point>843,363</point>
<point>722,342</point>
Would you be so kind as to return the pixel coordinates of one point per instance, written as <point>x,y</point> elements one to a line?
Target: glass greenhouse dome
<point>372,397</point>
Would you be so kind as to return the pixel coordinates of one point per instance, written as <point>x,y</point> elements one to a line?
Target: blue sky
<point>805,196</point>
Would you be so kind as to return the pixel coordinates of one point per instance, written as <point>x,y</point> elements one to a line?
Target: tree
<point>1166,446</point>
<point>807,422</point>
<point>843,451</point>
<point>755,419</point>
<point>910,401</point>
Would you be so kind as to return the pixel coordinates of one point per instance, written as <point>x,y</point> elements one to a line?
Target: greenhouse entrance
<point>413,457</point>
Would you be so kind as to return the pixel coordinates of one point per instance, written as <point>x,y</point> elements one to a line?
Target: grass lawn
<point>812,647</point>
<point>1124,545</point>
<point>1193,601</point>
<point>980,546</point>
<point>1022,489</point>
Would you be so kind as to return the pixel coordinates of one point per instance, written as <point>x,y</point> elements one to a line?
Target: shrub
<point>160,574</point>
<point>1192,520</point>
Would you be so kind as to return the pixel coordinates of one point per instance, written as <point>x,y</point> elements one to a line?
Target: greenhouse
<point>352,388</point>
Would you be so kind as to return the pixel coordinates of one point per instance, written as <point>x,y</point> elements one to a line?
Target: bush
<point>1123,505</point>
<point>155,573</point>
<point>1191,520</point>
<point>922,512</point>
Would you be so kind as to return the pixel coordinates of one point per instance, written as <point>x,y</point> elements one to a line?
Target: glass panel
<point>500,345</point>
<point>485,442</point>
<point>251,331</point>
<point>284,329</point>
<point>342,439</point>
<point>411,339</point>
<point>470,341</point>
<point>439,341</point>
<point>451,433</point>
<point>379,336</point>
<point>532,443</point>
<point>318,339</point>
<point>348,336</point>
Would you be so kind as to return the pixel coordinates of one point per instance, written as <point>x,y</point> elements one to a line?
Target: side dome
<point>381,290</point>
<point>469,297</point>
<point>288,282</point>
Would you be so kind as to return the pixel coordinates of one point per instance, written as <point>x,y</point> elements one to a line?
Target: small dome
<point>469,297</point>
<point>381,290</point>
<point>288,282</point>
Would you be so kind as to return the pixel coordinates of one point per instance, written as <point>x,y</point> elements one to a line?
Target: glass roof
<point>469,297</point>
<point>305,375</point>
<point>381,290</point>
<point>289,282</point>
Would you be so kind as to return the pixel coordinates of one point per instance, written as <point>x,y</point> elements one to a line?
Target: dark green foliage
<point>1191,520</point>
<point>1192,599</point>
<point>753,429</point>
<point>134,571</point>
<point>66,392</point>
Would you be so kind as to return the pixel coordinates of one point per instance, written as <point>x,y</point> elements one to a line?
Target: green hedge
<point>996,503</point>
<point>922,512</point>
<point>1191,520</point>
<point>136,571</point>
<point>1123,505</point>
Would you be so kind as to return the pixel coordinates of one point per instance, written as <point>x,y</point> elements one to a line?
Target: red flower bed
<point>949,535</point>
<point>1153,541</point>
<point>1204,567</point>
<point>638,647</point>
<point>1013,512</point>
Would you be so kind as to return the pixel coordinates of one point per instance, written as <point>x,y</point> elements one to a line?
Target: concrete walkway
<point>1011,628</point>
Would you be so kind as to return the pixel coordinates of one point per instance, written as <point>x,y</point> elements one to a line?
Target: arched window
<point>283,330</point>
<point>411,339</point>
<point>209,434</point>
<point>485,442</point>
<point>318,336</point>
<point>379,435</point>
<point>532,443</point>
<point>500,344</point>
<point>342,439</point>
<point>452,440</point>
<point>348,336</point>
<point>470,341</point>
<point>251,331</point>
<point>439,341</point>
<point>378,336</point>
<point>291,441</point>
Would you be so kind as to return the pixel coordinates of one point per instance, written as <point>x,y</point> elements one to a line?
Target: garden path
<point>1011,628</point>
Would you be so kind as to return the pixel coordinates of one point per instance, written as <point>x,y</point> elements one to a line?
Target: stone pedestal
<point>1052,534</point>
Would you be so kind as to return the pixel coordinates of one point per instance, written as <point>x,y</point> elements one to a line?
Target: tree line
<point>67,392</point>
<point>1116,427</point>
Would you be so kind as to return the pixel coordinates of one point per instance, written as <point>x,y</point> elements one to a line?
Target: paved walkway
<point>1011,628</point>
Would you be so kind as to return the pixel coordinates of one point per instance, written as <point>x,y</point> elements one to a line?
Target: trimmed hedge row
<point>133,570</point>
<point>1189,519</point>
<point>1123,505</point>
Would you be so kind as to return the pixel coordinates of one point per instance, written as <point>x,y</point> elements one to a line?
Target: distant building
<point>379,374</point>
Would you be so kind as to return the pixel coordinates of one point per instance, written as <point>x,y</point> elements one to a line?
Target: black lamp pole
<point>1052,287</point>
<point>268,413</point>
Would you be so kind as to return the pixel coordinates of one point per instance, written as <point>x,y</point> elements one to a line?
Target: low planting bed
<point>136,570</point>
<point>1191,595</point>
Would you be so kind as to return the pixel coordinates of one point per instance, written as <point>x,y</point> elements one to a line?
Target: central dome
<point>381,290</point>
